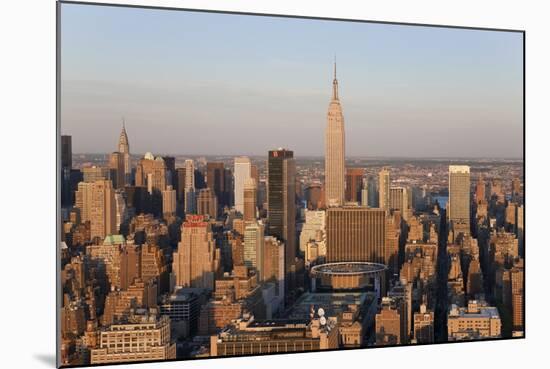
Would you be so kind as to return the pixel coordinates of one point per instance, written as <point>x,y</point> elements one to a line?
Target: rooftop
<point>348,268</point>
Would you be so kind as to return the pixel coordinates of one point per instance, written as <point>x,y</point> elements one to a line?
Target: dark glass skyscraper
<point>66,165</point>
<point>281,212</point>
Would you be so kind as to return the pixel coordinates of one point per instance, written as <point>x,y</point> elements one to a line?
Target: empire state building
<point>334,150</point>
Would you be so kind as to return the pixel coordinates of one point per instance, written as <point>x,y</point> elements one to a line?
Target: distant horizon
<point>404,158</point>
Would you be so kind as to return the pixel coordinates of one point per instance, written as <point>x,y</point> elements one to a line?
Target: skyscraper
<point>384,189</point>
<point>124,149</point>
<point>480,189</point>
<point>103,210</point>
<point>116,166</point>
<point>207,203</point>
<point>242,173</point>
<point>83,200</point>
<point>355,233</point>
<point>254,247</point>
<point>334,150</point>
<point>249,212</point>
<point>195,260</point>
<point>281,213</point>
<point>66,152</point>
<point>399,200</point>
<point>151,173</point>
<point>169,201</point>
<point>354,184</point>
<point>215,180</point>
<point>189,188</point>
<point>95,173</point>
<point>180,184</point>
<point>66,165</point>
<point>458,207</point>
<point>121,210</point>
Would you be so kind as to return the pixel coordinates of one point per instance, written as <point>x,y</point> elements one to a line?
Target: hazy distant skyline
<point>217,84</point>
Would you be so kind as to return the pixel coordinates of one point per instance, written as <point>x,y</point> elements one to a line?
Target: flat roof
<point>348,268</point>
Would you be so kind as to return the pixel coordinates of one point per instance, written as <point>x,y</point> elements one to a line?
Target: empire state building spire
<point>335,84</point>
<point>334,150</point>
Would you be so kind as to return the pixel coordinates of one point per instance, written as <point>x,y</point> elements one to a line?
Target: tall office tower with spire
<point>124,150</point>
<point>243,171</point>
<point>189,188</point>
<point>334,150</point>
<point>281,207</point>
<point>384,189</point>
<point>458,206</point>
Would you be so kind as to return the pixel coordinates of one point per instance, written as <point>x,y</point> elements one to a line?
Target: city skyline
<point>164,257</point>
<point>474,82</point>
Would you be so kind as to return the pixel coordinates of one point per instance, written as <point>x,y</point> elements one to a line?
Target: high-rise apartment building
<point>384,189</point>
<point>242,173</point>
<point>334,150</point>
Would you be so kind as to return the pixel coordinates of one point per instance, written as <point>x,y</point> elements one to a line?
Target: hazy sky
<point>202,83</point>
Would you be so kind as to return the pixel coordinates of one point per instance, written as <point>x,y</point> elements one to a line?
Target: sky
<point>195,83</point>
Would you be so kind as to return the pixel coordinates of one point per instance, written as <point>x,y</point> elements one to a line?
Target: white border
<point>28,180</point>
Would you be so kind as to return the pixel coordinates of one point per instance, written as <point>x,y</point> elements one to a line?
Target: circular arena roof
<point>348,268</point>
